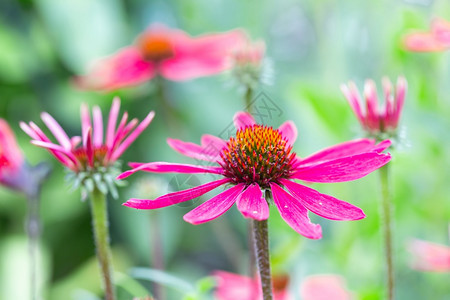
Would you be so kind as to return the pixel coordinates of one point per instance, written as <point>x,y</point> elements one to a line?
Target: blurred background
<point>313,47</point>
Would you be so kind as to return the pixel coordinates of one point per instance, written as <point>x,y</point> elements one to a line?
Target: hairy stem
<point>261,245</point>
<point>101,237</point>
<point>386,211</point>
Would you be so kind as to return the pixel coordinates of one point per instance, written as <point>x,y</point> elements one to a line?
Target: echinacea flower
<point>375,118</point>
<point>261,157</point>
<point>427,256</point>
<point>96,154</point>
<point>437,39</point>
<point>169,53</point>
<point>11,158</point>
<point>232,286</point>
<point>324,287</point>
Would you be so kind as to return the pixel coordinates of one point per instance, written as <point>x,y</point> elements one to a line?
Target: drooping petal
<point>294,213</point>
<point>98,126</point>
<point>252,204</point>
<point>192,150</point>
<point>325,287</point>
<point>57,130</point>
<point>243,119</point>
<point>289,131</point>
<point>323,205</point>
<point>342,150</point>
<point>122,69</point>
<point>176,197</point>
<point>130,139</point>
<point>214,207</point>
<point>71,159</point>
<point>343,169</point>
<point>163,167</point>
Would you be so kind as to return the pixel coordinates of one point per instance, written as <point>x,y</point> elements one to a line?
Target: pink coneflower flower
<point>376,119</point>
<point>325,287</point>
<point>438,39</point>
<point>427,256</point>
<point>95,154</point>
<point>261,157</point>
<point>169,53</point>
<point>232,286</point>
<point>11,158</point>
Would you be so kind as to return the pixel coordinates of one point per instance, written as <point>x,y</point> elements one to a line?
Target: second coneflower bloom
<point>260,159</point>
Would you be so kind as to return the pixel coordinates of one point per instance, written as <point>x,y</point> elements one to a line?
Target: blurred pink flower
<point>376,119</point>
<point>232,286</point>
<point>170,53</point>
<point>260,157</point>
<point>438,39</point>
<point>325,287</point>
<point>428,256</point>
<point>94,152</point>
<point>11,158</point>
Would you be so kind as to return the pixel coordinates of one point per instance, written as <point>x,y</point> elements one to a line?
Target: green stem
<point>33,230</point>
<point>248,99</point>
<point>261,245</point>
<point>101,236</point>
<point>386,210</point>
<point>158,253</point>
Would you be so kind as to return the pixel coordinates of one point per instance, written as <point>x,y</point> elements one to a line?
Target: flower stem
<point>261,245</point>
<point>101,236</point>
<point>33,230</point>
<point>386,211</point>
<point>157,258</point>
<point>248,99</point>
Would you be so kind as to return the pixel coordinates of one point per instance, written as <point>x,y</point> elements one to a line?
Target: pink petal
<point>427,256</point>
<point>88,146</point>
<point>343,150</point>
<point>233,286</point>
<point>214,207</point>
<point>243,119</point>
<point>324,287</point>
<point>9,147</point>
<point>343,169</point>
<point>133,136</point>
<point>252,204</point>
<point>294,213</point>
<point>372,110</point>
<point>85,118</point>
<point>422,42</point>
<point>193,150</point>
<point>163,167</point>
<point>57,148</point>
<point>400,93</point>
<point>98,127</point>
<point>176,197</point>
<point>354,99</point>
<point>212,145</point>
<point>113,114</point>
<point>323,205</point>
<point>57,130</point>
<point>440,30</point>
<point>289,131</point>
<point>122,69</point>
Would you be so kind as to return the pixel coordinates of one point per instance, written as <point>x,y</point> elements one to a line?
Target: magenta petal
<point>212,145</point>
<point>289,131</point>
<point>342,150</point>
<point>57,130</point>
<point>214,207</point>
<point>176,197</point>
<point>323,205</point>
<point>252,204</point>
<point>163,167</point>
<point>243,119</point>
<point>343,169</point>
<point>294,213</point>
<point>192,150</point>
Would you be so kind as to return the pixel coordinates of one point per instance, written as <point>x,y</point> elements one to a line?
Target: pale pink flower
<point>260,157</point>
<point>11,158</point>
<point>437,39</point>
<point>93,150</point>
<point>376,118</point>
<point>427,256</point>
<point>232,286</point>
<point>325,287</point>
<point>170,53</point>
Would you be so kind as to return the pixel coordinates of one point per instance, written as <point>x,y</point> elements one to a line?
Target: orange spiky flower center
<point>155,47</point>
<point>99,156</point>
<point>258,154</point>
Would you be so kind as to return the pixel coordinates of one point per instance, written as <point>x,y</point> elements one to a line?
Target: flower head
<point>92,153</point>
<point>169,53</point>
<point>427,256</point>
<point>437,39</point>
<point>377,120</point>
<point>261,157</point>
<point>324,287</point>
<point>232,286</point>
